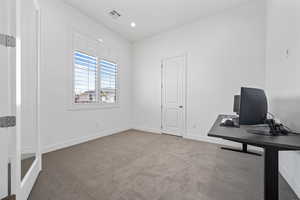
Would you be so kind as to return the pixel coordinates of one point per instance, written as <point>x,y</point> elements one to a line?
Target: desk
<point>271,144</point>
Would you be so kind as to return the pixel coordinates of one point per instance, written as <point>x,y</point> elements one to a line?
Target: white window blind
<point>85,78</point>
<point>108,84</point>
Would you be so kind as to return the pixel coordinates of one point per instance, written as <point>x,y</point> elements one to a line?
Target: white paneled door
<point>19,61</point>
<point>173,95</point>
<point>4,96</point>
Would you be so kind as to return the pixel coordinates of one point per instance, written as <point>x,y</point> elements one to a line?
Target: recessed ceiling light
<point>133,24</point>
<point>100,40</point>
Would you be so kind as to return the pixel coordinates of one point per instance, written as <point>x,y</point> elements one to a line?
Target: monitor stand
<point>243,150</point>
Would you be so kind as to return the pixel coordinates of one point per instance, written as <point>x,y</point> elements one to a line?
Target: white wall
<point>60,126</point>
<point>225,51</point>
<point>282,77</point>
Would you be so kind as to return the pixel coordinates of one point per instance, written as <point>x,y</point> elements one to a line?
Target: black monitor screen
<point>236,104</point>
<point>253,106</point>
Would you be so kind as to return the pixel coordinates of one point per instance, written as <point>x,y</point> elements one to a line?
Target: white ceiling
<point>151,16</point>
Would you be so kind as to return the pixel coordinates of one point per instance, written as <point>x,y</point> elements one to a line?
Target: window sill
<point>79,107</point>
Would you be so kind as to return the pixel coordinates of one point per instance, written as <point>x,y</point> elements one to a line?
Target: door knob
<point>180,106</point>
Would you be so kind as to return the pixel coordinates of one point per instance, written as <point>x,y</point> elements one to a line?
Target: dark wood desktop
<point>271,144</point>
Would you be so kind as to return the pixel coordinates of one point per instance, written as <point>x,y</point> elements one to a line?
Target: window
<point>95,82</point>
<point>108,76</point>
<point>85,78</point>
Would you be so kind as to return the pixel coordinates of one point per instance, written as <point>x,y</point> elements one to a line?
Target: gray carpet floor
<point>134,165</point>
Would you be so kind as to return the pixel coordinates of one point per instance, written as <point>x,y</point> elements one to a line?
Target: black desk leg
<point>271,174</point>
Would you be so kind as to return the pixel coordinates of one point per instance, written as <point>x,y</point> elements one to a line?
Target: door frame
<point>22,188</point>
<point>184,92</point>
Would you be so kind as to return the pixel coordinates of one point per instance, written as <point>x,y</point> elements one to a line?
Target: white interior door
<point>19,68</point>
<point>173,95</point>
<point>28,156</point>
<point>4,96</point>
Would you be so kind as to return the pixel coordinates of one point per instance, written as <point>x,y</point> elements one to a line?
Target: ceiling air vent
<point>114,14</point>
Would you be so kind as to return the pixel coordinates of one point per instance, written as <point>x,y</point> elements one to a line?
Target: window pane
<point>85,78</point>
<point>108,73</point>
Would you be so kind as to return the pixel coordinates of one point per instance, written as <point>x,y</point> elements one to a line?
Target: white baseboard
<point>76,141</point>
<point>203,139</point>
<point>289,178</point>
<point>147,129</point>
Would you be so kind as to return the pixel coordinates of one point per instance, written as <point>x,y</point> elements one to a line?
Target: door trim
<point>184,93</point>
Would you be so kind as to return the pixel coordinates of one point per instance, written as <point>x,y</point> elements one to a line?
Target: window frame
<point>117,80</point>
<point>73,79</point>
<point>98,104</point>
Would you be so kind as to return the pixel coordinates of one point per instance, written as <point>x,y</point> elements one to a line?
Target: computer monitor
<point>236,104</point>
<point>253,106</point>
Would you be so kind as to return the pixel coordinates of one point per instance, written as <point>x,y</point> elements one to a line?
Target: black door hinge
<point>7,40</point>
<point>7,121</point>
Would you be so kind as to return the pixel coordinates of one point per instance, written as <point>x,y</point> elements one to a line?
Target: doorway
<point>173,92</point>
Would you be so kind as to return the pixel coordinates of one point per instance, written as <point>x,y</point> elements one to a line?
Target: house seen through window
<point>108,75</point>
<point>95,81</point>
